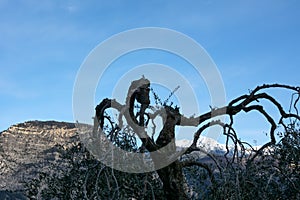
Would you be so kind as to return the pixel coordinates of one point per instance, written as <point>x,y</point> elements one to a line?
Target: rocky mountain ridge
<point>29,148</point>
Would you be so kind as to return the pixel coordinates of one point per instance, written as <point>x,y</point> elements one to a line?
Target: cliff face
<point>29,148</point>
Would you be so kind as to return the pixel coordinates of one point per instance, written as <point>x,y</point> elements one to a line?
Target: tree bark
<point>173,181</point>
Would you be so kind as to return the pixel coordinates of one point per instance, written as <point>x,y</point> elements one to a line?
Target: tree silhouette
<point>173,176</point>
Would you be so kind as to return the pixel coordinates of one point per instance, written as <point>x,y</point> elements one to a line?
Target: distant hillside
<point>29,148</point>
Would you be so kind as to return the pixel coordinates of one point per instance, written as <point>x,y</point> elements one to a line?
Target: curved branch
<point>275,85</point>
<point>268,117</point>
<point>140,131</point>
<point>202,128</point>
<point>191,149</point>
<point>242,105</point>
<point>272,130</point>
<point>232,109</point>
<point>277,104</point>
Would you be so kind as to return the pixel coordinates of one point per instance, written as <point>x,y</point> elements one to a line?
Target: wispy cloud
<point>71,8</point>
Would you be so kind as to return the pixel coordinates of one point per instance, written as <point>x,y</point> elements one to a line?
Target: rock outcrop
<point>31,148</point>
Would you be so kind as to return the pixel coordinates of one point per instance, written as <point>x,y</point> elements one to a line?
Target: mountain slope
<point>29,148</point>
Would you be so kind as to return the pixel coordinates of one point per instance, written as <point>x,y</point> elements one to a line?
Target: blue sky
<point>43,44</point>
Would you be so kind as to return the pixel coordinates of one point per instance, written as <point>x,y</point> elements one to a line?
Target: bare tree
<point>172,176</point>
